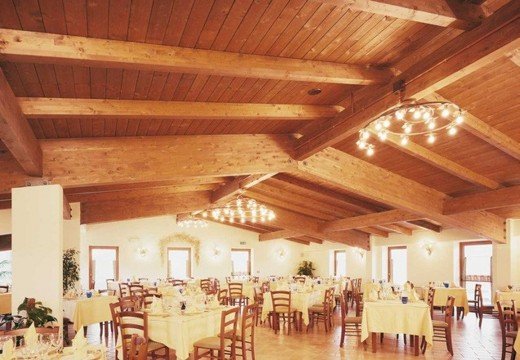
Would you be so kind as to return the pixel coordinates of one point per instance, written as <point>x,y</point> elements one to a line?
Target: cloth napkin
<point>413,295</point>
<point>30,337</point>
<point>372,296</point>
<point>8,350</point>
<point>156,305</point>
<point>79,346</point>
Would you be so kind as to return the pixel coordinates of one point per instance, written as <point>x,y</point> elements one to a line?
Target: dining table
<point>506,296</point>
<point>300,301</point>
<point>179,331</point>
<point>394,317</point>
<point>87,311</point>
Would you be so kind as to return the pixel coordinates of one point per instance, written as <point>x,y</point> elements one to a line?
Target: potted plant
<point>306,268</point>
<point>70,269</point>
<point>35,313</point>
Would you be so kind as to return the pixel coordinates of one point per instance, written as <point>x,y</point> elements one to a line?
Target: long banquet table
<point>299,302</point>
<point>394,317</point>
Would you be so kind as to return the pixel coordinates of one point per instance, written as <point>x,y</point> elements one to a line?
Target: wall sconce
<point>428,246</point>
<point>216,252</point>
<point>142,252</point>
<point>360,252</point>
<point>281,254</point>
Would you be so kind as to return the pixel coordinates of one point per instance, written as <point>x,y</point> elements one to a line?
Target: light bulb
<point>370,151</point>
<point>205,214</point>
<point>399,114</point>
<point>361,144</point>
<point>404,140</point>
<point>386,123</point>
<point>431,125</point>
<point>427,115</point>
<point>382,135</point>
<point>243,220</point>
<point>407,128</point>
<point>431,138</point>
<point>445,113</point>
<point>452,130</point>
<point>364,134</point>
<point>459,119</point>
<point>417,115</point>
<point>378,126</point>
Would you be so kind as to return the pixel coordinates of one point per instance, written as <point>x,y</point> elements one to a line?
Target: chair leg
<point>342,335</point>
<point>481,316</point>
<point>448,340</point>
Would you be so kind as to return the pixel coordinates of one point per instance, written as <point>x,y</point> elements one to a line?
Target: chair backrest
<point>130,303</point>
<point>176,282</point>
<point>429,301</point>
<point>205,285</point>
<point>507,317</point>
<point>148,299</point>
<point>216,285</point>
<point>478,295</point>
<point>124,289</point>
<point>228,325</point>
<point>358,300</point>
<point>132,323</point>
<point>448,313</point>
<point>138,348</point>
<point>266,286</point>
<point>281,301</point>
<point>259,296</point>
<point>300,279</point>
<point>247,327</point>
<point>222,296</point>
<point>235,289</point>
<point>115,309</point>
<point>343,305</point>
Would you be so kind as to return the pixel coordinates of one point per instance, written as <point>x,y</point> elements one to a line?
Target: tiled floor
<point>470,342</point>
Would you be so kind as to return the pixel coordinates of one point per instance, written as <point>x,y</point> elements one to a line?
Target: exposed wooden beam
<point>460,15</point>
<point>280,234</point>
<point>16,133</point>
<point>355,222</point>
<point>34,47</point>
<point>103,161</point>
<point>299,241</point>
<point>485,132</point>
<point>426,225</point>
<point>440,162</point>
<point>396,228</point>
<point>237,186</point>
<point>505,197</point>
<point>56,108</point>
<point>374,231</point>
<point>105,211</point>
<point>358,176</point>
<point>465,54</point>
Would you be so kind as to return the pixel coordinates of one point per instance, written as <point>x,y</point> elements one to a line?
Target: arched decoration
<point>180,238</point>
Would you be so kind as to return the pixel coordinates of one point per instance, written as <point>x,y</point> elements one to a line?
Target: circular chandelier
<point>412,118</point>
<point>192,221</point>
<point>241,209</point>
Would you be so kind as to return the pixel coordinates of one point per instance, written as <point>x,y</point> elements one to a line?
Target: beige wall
<point>147,232</point>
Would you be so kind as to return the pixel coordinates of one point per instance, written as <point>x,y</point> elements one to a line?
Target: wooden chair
<point>222,297</point>
<point>430,298</point>
<point>176,282</point>
<point>246,338</point>
<point>130,323</point>
<point>137,290</point>
<point>110,280</point>
<point>148,299</point>
<point>259,301</point>
<point>235,294</point>
<point>508,327</point>
<point>281,301</point>
<point>130,303</point>
<point>349,325</point>
<point>442,328</point>
<point>124,289</point>
<point>323,311</point>
<point>266,286</point>
<point>205,285</point>
<point>219,344</point>
<point>483,309</point>
<point>115,309</point>
<point>138,348</point>
<point>475,303</point>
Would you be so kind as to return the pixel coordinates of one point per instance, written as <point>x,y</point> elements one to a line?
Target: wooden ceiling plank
<point>505,197</point>
<point>485,132</point>
<point>35,47</point>
<point>381,185</point>
<point>237,186</point>
<point>397,229</point>
<point>432,158</point>
<point>374,231</point>
<point>16,133</point>
<point>280,234</point>
<point>56,108</point>
<point>426,225</point>
<point>355,222</point>
<point>459,15</point>
<point>465,54</point>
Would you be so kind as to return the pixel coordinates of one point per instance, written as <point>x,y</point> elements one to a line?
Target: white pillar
<point>37,225</point>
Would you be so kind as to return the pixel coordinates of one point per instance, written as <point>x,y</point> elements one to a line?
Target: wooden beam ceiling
<point>468,52</point>
<point>505,197</point>
<point>238,185</point>
<point>16,133</point>
<point>280,234</point>
<point>89,162</point>
<point>57,108</point>
<point>440,162</point>
<point>356,175</point>
<point>445,13</point>
<point>426,225</point>
<point>485,132</point>
<point>35,47</point>
<point>361,221</point>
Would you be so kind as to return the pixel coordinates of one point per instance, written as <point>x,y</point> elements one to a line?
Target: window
<point>104,264</point>
<point>340,263</point>
<point>240,262</point>
<point>179,263</point>
<point>397,264</point>
<point>475,268</point>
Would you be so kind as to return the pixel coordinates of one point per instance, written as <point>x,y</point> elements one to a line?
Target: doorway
<point>103,265</point>
<point>475,268</point>
<point>397,265</point>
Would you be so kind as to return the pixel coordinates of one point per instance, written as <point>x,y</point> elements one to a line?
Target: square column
<point>37,246</point>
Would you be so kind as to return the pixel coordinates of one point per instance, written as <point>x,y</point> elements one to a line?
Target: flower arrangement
<point>306,268</point>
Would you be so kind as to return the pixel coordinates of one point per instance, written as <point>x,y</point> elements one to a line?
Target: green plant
<point>306,268</point>
<point>70,269</point>
<point>36,313</point>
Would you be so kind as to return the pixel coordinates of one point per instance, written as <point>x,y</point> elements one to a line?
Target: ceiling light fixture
<point>241,210</point>
<point>191,221</point>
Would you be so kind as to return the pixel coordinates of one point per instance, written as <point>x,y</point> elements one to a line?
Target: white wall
<point>147,232</point>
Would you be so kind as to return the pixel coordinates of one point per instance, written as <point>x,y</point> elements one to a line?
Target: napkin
<point>8,350</point>
<point>414,296</point>
<point>30,337</point>
<point>79,346</point>
<point>156,305</point>
<point>372,296</point>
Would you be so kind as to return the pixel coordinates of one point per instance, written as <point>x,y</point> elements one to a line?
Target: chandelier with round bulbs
<point>412,118</point>
<point>192,221</point>
<point>241,210</point>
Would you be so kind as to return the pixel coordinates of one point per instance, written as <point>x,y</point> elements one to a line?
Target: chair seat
<point>440,323</point>
<point>154,346</point>
<point>211,343</point>
<point>353,320</point>
<point>282,310</point>
<point>511,334</point>
<point>316,308</point>
<point>236,296</point>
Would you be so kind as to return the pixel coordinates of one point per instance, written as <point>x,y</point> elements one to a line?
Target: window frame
<point>389,259</point>
<point>250,259</point>
<point>336,252</point>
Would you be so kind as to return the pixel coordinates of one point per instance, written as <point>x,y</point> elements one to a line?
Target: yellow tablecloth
<point>84,312</point>
<point>460,295</point>
<point>180,332</point>
<point>516,346</point>
<point>368,287</point>
<point>507,296</point>
<point>5,303</point>
<point>394,317</point>
<point>299,302</point>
